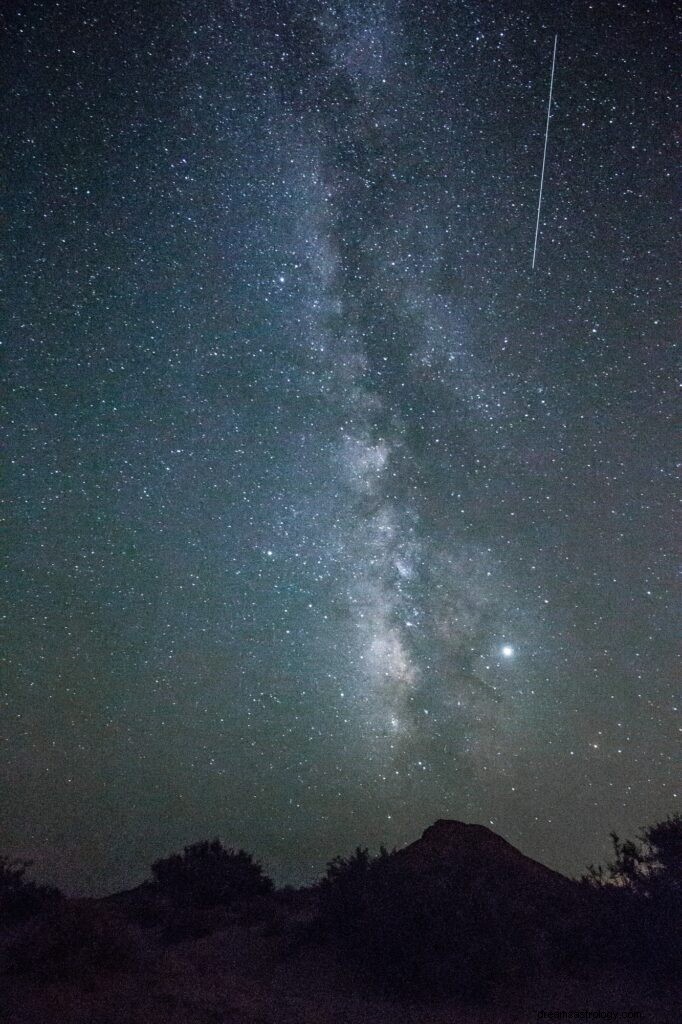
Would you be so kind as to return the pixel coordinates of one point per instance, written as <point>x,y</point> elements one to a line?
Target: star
<point>308,476</point>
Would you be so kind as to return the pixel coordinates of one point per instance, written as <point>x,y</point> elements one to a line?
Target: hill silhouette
<point>459,911</point>
<point>460,845</point>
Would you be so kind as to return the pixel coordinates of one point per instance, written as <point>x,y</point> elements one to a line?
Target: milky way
<point>327,516</point>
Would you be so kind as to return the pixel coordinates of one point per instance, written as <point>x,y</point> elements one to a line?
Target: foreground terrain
<point>136,958</point>
<point>245,974</point>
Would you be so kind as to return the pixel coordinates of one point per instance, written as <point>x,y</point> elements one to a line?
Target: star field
<point>326,516</point>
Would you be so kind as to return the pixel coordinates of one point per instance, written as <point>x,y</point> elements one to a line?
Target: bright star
<point>507,651</point>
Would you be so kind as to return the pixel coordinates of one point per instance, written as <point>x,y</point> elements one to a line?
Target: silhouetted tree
<point>639,909</point>
<point>651,866</point>
<point>207,874</point>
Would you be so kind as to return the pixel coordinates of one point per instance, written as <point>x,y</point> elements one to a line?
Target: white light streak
<point>544,155</point>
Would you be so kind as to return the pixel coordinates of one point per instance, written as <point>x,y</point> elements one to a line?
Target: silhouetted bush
<point>637,901</point>
<point>148,909</point>
<point>207,874</point>
<point>442,931</point>
<point>186,923</point>
<point>69,941</point>
<point>20,897</point>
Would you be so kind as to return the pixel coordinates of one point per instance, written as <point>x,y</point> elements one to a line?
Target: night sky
<point>327,516</point>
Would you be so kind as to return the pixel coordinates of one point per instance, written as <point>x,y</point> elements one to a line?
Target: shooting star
<point>544,155</point>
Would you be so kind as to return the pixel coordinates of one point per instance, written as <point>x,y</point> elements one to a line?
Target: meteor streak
<point>544,155</point>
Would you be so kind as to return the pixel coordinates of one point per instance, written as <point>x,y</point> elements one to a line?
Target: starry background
<point>327,517</point>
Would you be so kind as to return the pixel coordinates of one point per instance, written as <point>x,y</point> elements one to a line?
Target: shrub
<point>637,901</point>
<point>185,923</point>
<point>70,940</point>
<point>441,932</point>
<point>207,874</point>
<point>20,897</point>
<point>147,909</point>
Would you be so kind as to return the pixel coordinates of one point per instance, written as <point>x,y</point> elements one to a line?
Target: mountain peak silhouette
<point>476,849</point>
